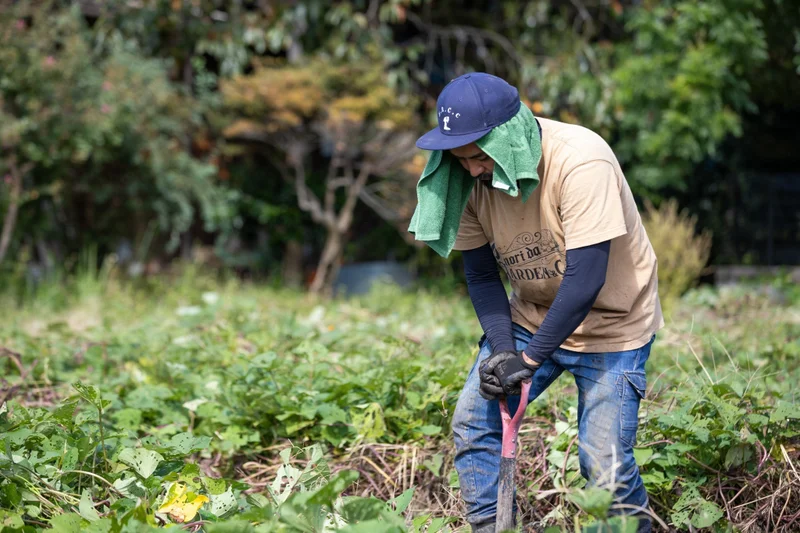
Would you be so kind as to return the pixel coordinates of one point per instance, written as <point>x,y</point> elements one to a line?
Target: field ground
<point>216,404</point>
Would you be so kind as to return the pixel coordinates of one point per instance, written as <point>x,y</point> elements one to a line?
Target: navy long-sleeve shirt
<point>584,277</point>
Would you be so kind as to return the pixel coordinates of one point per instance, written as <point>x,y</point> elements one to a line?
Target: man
<point>583,277</point>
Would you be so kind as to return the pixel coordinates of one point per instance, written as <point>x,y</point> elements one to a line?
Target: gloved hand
<point>502,374</point>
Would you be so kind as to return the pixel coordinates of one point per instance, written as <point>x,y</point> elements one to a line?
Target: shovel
<point>508,460</point>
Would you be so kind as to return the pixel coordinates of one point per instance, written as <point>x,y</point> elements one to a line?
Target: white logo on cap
<point>446,119</point>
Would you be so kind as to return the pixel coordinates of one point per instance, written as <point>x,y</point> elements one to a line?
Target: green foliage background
<point>117,111</point>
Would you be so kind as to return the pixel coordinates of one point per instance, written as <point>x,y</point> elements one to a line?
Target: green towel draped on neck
<point>445,186</point>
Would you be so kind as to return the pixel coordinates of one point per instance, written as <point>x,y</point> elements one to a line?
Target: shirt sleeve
<point>591,205</point>
<point>489,298</point>
<point>470,232</point>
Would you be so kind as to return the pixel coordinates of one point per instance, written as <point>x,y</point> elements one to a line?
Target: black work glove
<point>502,374</point>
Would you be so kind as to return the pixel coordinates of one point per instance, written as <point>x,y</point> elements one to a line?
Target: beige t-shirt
<point>582,199</point>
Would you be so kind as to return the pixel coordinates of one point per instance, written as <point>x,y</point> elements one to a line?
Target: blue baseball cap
<point>468,108</point>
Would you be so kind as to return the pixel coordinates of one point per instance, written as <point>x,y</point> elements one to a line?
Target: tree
<point>331,131</point>
<point>93,138</point>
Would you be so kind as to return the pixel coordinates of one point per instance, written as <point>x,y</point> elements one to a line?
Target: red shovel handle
<point>508,460</point>
<point>511,424</point>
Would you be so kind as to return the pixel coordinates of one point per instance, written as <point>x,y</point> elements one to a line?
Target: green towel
<point>445,186</point>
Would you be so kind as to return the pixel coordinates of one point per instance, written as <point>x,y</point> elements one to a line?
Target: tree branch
<point>10,220</point>
<point>346,213</point>
<point>377,205</point>
<point>331,184</point>
<point>583,16</point>
<point>459,33</point>
<point>372,12</point>
<point>306,199</point>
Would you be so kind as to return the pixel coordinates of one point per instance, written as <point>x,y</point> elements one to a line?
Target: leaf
<point>285,480</point>
<point>332,414</point>
<point>617,524</point>
<point>86,507</point>
<point>706,514</point>
<point>166,468</point>
<point>679,518</point>
<point>438,523</point>
<point>370,424</point>
<point>185,444</point>
<point>302,515</point>
<point>65,413</point>
<point>130,487</point>
<point>70,460</point>
<point>430,430</point>
<point>91,395</point>
<point>453,481</point>
<point>689,497</point>
<point>103,525</point>
<point>88,393</point>
<point>655,479</point>
<point>66,523</point>
<point>233,526</point>
<point>401,502</point>
<point>192,405</point>
<point>180,504</point>
<point>9,519</point>
<point>213,485</point>
<point>128,418</point>
<point>680,447</point>
<point>593,500</point>
<point>361,509</point>
<point>434,464</point>
<point>142,460</point>
<point>782,411</point>
<point>10,495</point>
<point>420,521</point>
<point>140,513</point>
<point>373,526</point>
<point>222,504</point>
<point>642,455</point>
<point>334,488</point>
<point>757,420</point>
<point>235,437</point>
<point>738,455</point>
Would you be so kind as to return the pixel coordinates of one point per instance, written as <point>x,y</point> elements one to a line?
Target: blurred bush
<point>682,253</point>
<point>97,139</point>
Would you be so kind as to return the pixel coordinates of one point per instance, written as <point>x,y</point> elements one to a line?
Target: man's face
<point>474,160</point>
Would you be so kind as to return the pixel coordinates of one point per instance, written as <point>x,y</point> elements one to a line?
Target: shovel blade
<point>505,496</point>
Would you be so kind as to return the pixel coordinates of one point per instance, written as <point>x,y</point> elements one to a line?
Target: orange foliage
<point>342,98</point>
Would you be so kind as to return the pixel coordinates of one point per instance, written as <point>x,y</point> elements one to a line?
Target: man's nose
<point>475,169</point>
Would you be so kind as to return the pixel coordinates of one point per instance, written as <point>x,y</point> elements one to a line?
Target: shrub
<point>682,252</point>
<point>94,141</point>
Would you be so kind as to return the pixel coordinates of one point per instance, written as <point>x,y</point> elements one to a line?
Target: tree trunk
<point>292,265</point>
<point>10,220</point>
<point>328,265</point>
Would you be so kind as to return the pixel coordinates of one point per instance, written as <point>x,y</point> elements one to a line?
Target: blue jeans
<point>610,386</point>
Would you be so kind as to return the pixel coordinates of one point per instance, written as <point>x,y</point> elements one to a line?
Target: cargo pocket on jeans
<point>634,387</point>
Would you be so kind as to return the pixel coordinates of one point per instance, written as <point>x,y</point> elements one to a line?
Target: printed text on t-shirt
<point>532,256</point>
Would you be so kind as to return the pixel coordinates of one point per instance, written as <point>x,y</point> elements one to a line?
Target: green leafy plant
<point>247,408</point>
